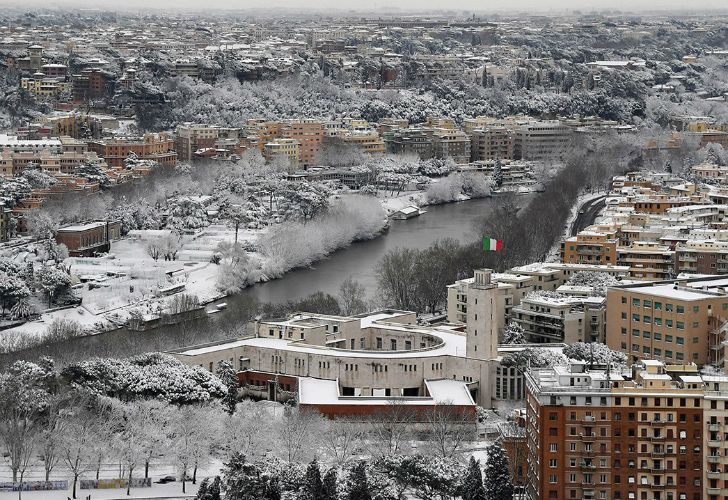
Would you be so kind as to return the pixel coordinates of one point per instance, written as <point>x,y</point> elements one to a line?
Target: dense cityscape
<point>372,254</point>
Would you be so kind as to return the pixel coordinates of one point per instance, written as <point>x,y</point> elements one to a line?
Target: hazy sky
<point>369,5</point>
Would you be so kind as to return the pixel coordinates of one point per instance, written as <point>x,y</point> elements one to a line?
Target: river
<point>454,220</point>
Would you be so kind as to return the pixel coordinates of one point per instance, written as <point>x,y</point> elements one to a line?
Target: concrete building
<point>601,433</point>
<point>541,140</point>
<point>410,141</point>
<point>680,321</point>
<point>556,318</point>
<point>383,355</point>
<point>192,138</point>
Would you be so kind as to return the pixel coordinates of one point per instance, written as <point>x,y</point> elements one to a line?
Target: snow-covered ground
<point>127,279</point>
<point>169,491</point>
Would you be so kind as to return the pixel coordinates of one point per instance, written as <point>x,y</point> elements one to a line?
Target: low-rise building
<point>83,240</point>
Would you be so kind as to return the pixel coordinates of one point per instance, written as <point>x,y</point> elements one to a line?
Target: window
<point>379,342</point>
<point>680,340</point>
<point>680,325</point>
<point>635,332</point>
<point>680,309</point>
<point>668,307</point>
<point>393,344</point>
<point>658,306</point>
<point>553,447</point>
<point>635,317</point>
<point>553,463</point>
<point>647,319</point>
<point>696,309</point>
<point>635,302</point>
<point>647,304</point>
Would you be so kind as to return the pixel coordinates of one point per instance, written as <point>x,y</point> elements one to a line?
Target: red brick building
<point>89,239</point>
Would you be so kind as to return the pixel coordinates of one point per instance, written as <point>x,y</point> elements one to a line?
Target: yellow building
<point>283,148</point>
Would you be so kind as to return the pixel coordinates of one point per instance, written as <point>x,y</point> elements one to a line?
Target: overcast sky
<point>370,5</point>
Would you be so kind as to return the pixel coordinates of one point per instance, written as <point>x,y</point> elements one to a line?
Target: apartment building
<point>601,433</point>
<point>541,140</point>
<point>591,246</point>
<point>196,137</point>
<point>647,260</point>
<point>13,164</point>
<point>367,140</point>
<point>409,141</point>
<point>675,322</point>
<point>515,285</point>
<point>158,147</point>
<point>702,256</point>
<point>451,143</point>
<point>551,318</point>
<point>283,149</point>
<point>491,143</point>
<point>310,136</point>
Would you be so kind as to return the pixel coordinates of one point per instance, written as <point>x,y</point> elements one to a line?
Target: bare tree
<point>390,430</point>
<point>448,429</point>
<point>343,439</point>
<point>352,297</point>
<point>154,250</point>
<point>192,435</point>
<point>248,430</point>
<point>299,434</point>
<point>80,439</point>
<point>170,245</point>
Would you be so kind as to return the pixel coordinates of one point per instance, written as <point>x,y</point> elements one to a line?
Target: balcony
<point>657,470</point>
<point>715,444</point>
<point>713,459</point>
<point>713,474</point>
<point>660,422</point>
<point>657,438</point>
<point>589,438</point>
<point>588,420</point>
<point>586,466</point>
<point>657,454</point>
<point>714,491</point>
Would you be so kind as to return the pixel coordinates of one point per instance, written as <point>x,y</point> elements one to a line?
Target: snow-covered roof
<point>313,391</point>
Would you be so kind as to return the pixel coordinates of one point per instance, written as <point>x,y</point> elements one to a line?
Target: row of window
<point>659,337</point>
<point>680,325</point>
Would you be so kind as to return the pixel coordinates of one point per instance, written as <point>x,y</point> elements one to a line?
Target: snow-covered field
<point>127,280</point>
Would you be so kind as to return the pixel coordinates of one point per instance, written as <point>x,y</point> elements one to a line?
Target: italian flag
<point>492,245</point>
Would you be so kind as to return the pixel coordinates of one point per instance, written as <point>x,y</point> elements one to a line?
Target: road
<point>588,213</point>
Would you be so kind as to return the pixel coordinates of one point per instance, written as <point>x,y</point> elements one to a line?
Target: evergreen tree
<point>226,374</point>
<point>498,484</point>
<point>313,486</point>
<point>202,491</point>
<point>497,173</point>
<point>668,167</point>
<point>513,334</point>
<point>358,484</point>
<point>273,489</point>
<point>214,491</point>
<point>242,480</point>
<point>330,489</point>
<point>473,484</point>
